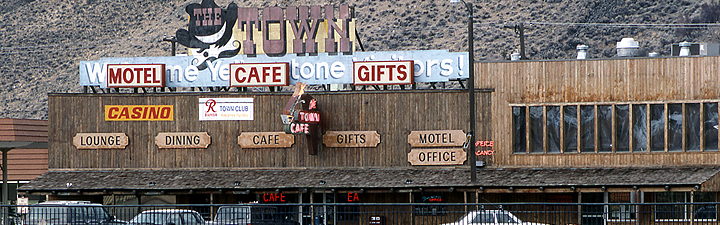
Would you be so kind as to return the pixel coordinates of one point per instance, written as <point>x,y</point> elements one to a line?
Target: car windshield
<point>150,218</point>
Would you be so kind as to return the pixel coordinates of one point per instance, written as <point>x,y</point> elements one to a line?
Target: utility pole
<point>519,30</point>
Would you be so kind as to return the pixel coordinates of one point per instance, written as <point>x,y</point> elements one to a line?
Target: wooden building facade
<point>623,130</point>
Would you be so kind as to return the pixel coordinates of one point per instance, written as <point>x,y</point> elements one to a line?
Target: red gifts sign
<point>383,72</point>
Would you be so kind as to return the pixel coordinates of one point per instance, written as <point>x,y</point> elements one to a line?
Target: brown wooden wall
<point>25,164</point>
<point>594,82</point>
<point>392,114</point>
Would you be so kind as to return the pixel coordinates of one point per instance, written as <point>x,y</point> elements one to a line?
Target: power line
<point>636,25</point>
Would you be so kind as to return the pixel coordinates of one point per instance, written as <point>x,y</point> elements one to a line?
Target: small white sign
<point>226,108</point>
<point>22,203</point>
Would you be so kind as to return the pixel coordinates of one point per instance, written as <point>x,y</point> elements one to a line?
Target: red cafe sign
<point>259,74</point>
<point>383,72</point>
<point>135,75</point>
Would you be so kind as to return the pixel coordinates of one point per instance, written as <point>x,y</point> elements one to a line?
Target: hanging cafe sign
<point>308,44</point>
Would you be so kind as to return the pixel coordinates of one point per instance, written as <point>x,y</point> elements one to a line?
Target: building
<point>24,142</point>
<point>623,130</point>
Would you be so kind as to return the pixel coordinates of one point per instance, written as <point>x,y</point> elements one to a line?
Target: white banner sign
<point>226,109</point>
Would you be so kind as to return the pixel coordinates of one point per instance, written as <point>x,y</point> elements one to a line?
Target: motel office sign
<point>308,44</point>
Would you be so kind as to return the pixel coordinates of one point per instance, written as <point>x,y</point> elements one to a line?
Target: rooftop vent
<point>627,47</point>
<point>696,49</point>
<point>582,51</point>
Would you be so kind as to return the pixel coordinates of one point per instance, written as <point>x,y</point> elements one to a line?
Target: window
<point>621,212</point>
<point>692,127</point>
<point>622,128</point>
<point>681,210</point>
<point>553,129</point>
<point>570,125</point>
<point>587,127</point>
<point>710,125</point>
<point>675,128</point>
<point>604,117</point>
<point>536,129</point>
<point>639,128</point>
<point>519,136</point>
<point>616,128</point>
<point>657,127</point>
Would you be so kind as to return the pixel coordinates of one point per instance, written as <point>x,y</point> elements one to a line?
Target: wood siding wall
<point>25,164</point>
<point>392,114</point>
<point>596,82</point>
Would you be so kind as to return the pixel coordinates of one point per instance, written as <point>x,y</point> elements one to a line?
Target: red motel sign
<point>135,75</point>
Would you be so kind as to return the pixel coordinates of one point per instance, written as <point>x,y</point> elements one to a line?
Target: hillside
<point>43,41</point>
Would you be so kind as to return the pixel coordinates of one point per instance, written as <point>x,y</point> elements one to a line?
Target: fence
<point>363,214</point>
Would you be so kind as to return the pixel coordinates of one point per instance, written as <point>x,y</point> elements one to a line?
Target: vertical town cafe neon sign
<point>305,121</point>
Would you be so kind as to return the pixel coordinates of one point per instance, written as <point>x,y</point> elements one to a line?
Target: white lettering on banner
<point>96,72</point>
<point>323,68</point>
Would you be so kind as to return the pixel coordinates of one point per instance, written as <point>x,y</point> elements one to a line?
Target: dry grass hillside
<point>42,42</point>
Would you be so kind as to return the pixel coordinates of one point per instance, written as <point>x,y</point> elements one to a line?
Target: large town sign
<point>236,47</point>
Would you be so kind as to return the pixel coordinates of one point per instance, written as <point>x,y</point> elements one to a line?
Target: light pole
<point>471,91</point>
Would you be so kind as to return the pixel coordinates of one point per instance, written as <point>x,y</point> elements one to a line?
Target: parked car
<point>490,217</point>
<point>69,212</point>
<point>251,214</point>
<point>168,217</point>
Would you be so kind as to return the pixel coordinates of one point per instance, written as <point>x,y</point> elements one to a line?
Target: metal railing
<point>363,214</point>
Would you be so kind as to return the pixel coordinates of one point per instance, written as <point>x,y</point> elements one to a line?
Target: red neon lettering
<point>484,144</point>
<point>484,152</point>
<point>352,197</point>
